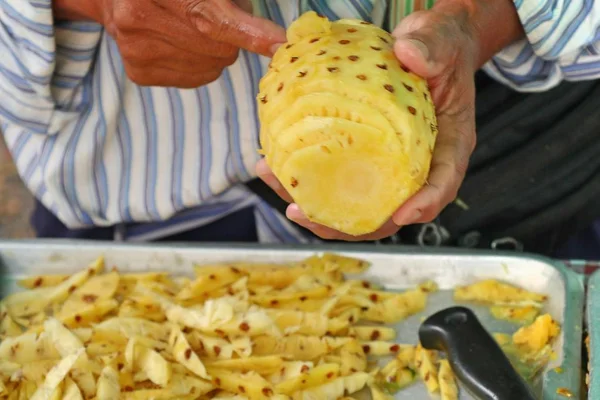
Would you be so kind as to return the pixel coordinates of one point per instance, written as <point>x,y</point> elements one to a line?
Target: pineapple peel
<point>346,128</point>
<point>309,24</point>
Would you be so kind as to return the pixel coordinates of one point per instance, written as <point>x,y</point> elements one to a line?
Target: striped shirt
<point>98,150</point>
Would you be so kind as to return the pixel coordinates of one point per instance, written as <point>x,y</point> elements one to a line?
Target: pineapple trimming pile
<point>312,329</point>
<point>346,128</point>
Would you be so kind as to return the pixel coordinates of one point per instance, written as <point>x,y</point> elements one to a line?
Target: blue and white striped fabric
<point>563,43</point>
<point>99,150</point>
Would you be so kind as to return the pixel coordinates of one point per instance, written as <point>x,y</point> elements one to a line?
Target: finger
<point>266,175</point>
<point>245,5</point>
<point>169,58</point>
<point>195,68</point>
<point>149,44</point>
<point>448,168</point>
<point>224,21</point>
<point>167,77</point>
<point>294,213</point>
<point>426,43</point>
<point>159,53</point>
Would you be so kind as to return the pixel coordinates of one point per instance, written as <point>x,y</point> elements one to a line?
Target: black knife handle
<point>475,357</point>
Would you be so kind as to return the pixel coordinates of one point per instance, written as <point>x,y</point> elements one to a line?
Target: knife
<point>476,358</point>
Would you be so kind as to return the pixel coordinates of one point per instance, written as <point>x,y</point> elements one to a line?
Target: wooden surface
<point>16,202</point>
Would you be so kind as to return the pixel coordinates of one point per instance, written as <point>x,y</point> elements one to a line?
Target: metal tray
<point>395,268</point>
<point>593,328</point>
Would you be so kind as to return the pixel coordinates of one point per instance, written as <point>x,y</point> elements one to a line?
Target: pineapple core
<point>345,127</point>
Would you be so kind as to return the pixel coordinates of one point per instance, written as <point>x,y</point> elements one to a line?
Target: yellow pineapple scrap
<point>406,356</point>
<point>502,339</point>
<point>518,315</point>
<point>425,361</point>
<point>334,389</point>
<point>589,366</point>
<point>346,128</point>
<point>378,394</point>
<point>494,292</point>
<point>394,376</point>
<point>373,332</point>
<point>533,338</point>
<point>396,306</point>
<point>448,387</point>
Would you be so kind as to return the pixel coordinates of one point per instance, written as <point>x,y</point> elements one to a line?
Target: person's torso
<point>123,153</point>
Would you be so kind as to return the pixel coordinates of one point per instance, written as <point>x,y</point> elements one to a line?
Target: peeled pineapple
<point>345,127</point>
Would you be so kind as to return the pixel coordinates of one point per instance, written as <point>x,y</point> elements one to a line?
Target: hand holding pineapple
<point>351,120</point>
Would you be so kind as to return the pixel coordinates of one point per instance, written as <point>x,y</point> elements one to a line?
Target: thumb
<point>245,5</point>
<point>420,47</point>
<point>225,21</point>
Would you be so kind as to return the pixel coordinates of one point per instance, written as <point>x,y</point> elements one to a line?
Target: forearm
<point>495,24</point>
<point>76,10</point>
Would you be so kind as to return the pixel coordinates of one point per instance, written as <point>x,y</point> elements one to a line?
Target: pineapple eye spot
<point>294,182</point>
<point>409,88</point>
<point>337,58</point>
<point>350,140</point>
<point>376,48</point>
<point>362,77</point>
<point>382,66</point>
<point>412,110</point>
<point>320,53</point>
<point>325,149</point>
<point>280,87</point>
<point>315,40</point>
<point>333,69</point>
<point>365,23</point>
<point>389,88</point>
<point>418,142</point>
<point>293,59</point>
<point>353,58</point>
<point>351,30</point>
<point>425,95</point>
<point>405,69</point>
<point>384,40</point>
<point>344,41</point>
<point>289,46</point>
<point>264,99</point>
<point>301,74</point>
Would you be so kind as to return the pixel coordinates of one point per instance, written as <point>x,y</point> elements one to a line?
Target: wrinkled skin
<point>177,43</point>
<point>439,46</point>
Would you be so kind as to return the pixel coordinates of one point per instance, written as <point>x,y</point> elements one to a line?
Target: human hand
<point>438,45</point>
<point>181,43</point>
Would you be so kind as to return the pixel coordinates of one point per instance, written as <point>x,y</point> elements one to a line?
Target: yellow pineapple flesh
<point>345,127</point>
<point>533,338</point>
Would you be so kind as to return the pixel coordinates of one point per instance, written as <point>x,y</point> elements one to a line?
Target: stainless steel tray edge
<point>568,377</point>
<point>593,317</point>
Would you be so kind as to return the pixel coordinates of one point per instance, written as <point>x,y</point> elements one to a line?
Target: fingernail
<point>293,212</point>
<point>414,217</point>
<point>420,46</point>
